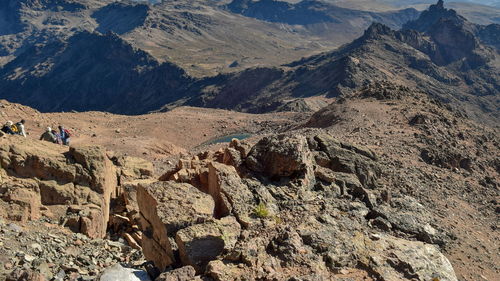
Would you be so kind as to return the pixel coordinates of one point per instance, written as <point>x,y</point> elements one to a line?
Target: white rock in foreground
<point>120,273</point>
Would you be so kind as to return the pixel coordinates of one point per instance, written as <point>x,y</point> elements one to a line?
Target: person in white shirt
<point>20,126</point>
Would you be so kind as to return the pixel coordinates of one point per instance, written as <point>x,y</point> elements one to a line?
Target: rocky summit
<point>248,140</point>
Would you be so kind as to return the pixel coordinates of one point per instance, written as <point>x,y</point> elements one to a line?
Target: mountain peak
<point>377,29</point>
<point>439,5</point>
<point>431,16</point>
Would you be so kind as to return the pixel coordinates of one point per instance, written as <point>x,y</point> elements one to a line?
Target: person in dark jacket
<point>7,128</point>
<point>64,135</point>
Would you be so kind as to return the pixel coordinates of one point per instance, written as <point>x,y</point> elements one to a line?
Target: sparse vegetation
<point>261,210</point>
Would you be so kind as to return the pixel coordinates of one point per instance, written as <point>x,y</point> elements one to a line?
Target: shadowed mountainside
<point>446,59</point>
<point>92,72</point>
<point>203,37</point>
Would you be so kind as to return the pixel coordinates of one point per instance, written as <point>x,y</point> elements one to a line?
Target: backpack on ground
<point>15,129</point>
<point>67,133</point>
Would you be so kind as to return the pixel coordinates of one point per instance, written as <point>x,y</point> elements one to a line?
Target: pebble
<point>37,247</point>
<point>14,227</point>
<point>60,276</point>
<point>29,258</point>
<point>8,266</point>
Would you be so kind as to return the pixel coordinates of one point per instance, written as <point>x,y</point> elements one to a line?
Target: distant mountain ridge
<point>447,61</point>
<point>311,12</point>
<point>448,58</point>
<point>203,37</point>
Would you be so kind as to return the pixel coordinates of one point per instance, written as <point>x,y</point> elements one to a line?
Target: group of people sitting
<point>14,129</point>
<point>61,137</point>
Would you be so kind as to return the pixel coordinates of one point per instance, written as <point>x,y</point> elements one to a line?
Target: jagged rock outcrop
<point>464,35</point>
<point>75,186</point>
<point>290,201</point>
<point>83,176</point>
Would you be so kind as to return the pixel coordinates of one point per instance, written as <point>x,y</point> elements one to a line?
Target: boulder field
<point>289,207</point>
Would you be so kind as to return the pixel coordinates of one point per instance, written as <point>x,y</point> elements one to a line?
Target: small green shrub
<point>261,211</point>
<point>277,220</point>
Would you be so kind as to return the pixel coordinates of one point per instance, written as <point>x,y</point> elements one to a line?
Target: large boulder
<point>82,176</point>
<point>395,259</point>
<point>166,207</point>
<point>199,244</point>
<point>280,156</point>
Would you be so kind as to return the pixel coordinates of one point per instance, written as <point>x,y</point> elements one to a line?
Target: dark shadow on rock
<point>120,18</point>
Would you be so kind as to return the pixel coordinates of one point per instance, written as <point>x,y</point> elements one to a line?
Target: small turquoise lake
<point>228,138</point>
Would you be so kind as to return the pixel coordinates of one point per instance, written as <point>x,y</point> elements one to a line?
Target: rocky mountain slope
<point>448,58</point>
<point>108,72</point>
<point>71,42</point>
<point>91,71</point>
<point>203,37</point>
<point>388,184</point>
<point>318,16</point>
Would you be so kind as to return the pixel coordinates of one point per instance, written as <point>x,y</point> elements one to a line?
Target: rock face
<point>103,181</point>
<point>165,208</point>
<point>83,176</point>
<point>230,194</point>
<point>77,185</point>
